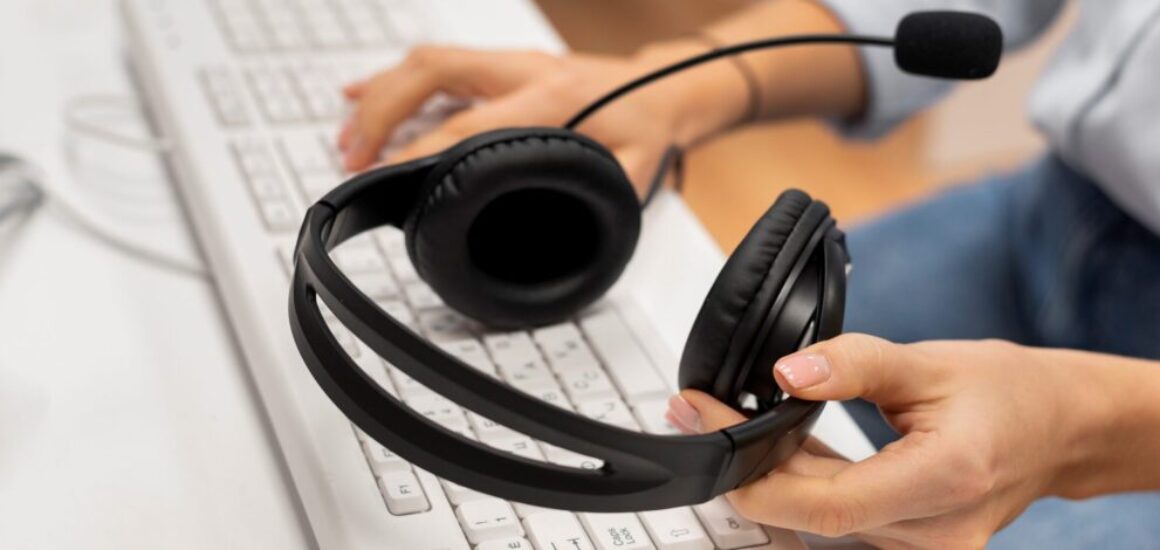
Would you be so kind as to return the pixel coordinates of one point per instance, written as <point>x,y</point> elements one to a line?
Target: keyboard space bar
<point>630,368</point>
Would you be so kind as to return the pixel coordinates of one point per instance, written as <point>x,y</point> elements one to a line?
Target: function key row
<point>261,26</point>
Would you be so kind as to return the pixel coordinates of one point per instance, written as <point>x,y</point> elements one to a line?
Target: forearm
<point>799,80</point>
<point>1117,445</point>
<point>824,80</point>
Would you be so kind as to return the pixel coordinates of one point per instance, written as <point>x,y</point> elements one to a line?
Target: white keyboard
<point>248,90</point>
<point>593,366</point>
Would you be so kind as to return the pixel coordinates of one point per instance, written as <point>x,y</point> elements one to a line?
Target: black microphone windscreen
<point>948,44</point>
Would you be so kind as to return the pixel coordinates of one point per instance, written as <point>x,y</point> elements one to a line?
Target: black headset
<point>526,226</point>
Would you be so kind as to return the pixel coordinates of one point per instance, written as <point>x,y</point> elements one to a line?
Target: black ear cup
<point>764,302</point>
<point>523,227</point>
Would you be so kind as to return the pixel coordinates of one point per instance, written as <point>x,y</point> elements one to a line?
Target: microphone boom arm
<point>718,53</point>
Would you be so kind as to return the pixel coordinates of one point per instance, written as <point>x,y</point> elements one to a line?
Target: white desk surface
<point>127,418</point>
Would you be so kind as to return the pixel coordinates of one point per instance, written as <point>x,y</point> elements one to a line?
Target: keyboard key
<point>571,459</point>
<point>403,494</point>
<point>374,367</point>
<point>458,494</point>
<point>280,216</point>
<point>285,253</point>
<point>627,364</point>
<point>377,285</point>
<point>525,510</point>
<point>511,347</point>
<point>245,35</point>
<point>314,186</point>
<point>285,34</point>
<point>462,430</point>
<point>609,411</point>
<point>359,257</point>
<point>256,164</point>
<point>305,154</point>
<point>444,324</point>
<point>399,311</point>
<point>727,528</point>
<point>320,89</point>
<point>408,21</point>
<point>367,29</point>
<point>526,373</point>
<point>346,340</point>
<point>587,384</point>
<point>489,429</point>
<point>487,519</point>
<point>421,296</point>
<point>651,415</point>
<point>392,242</point>
<point>254,157</point>
<point>520,445</point>
<point>275,95</point>
<point>438,409</point>
<point>325,31</point>
<point>225,96</point>
<point>565,348</point>
<point>514,543</point>
<point>557,531</point>
<point>382,460</point>
<point>556,336</point>
<point>548,391</point>
<point>676,529</point>
<point>471,352</point>
<point>408,387</point>
<point>616,531</point>
<point>266,186</point>
<point>404,269</point>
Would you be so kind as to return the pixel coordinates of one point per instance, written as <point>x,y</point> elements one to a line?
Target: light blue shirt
<point>1097,103</point>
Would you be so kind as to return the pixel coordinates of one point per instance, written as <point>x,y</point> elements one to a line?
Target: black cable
<point>671,160</point>
<point>719,53</point>
<point>752,83</point>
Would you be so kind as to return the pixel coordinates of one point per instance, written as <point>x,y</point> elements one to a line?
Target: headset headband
<point>640,470</point>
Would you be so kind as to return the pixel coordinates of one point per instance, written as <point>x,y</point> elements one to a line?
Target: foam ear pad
<point>736,314</point>
<point>522,227</point>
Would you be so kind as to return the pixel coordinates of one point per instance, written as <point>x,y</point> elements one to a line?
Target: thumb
<point>694,412</point>
<point>858,365</point>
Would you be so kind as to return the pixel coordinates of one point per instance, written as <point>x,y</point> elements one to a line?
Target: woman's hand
<point>525,88</point>
<point>987,427</point>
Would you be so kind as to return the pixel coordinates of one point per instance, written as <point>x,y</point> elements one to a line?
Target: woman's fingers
<point>912,479</point>
<point>346,134</point>
<point>849,366</point>
<point>396,94</point>
<point>818,491</point>
<point>857,365</point>
<point>354,90</point>
<point>694,411</point>
<point>517,109</point>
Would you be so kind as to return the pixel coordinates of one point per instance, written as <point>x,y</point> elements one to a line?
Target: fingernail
<point>804,370</point>
<point>682,415</point>
<point>354,153</point>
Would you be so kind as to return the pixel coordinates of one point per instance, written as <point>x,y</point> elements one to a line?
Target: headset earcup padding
<point>765,257</point>
<point>522,227</point>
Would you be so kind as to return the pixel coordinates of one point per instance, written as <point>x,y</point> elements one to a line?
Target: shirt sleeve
<point>892,96</point>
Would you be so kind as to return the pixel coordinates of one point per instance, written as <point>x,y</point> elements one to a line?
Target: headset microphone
<point>947,44</point>
<point>940,44</point>
<point>485,223</point>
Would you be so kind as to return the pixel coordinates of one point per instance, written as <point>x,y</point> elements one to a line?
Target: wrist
<point>699,102</point>
<point>1114,424</point>
<point>1083,417</point>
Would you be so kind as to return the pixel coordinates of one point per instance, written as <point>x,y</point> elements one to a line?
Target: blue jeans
<point>1040,257</point>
